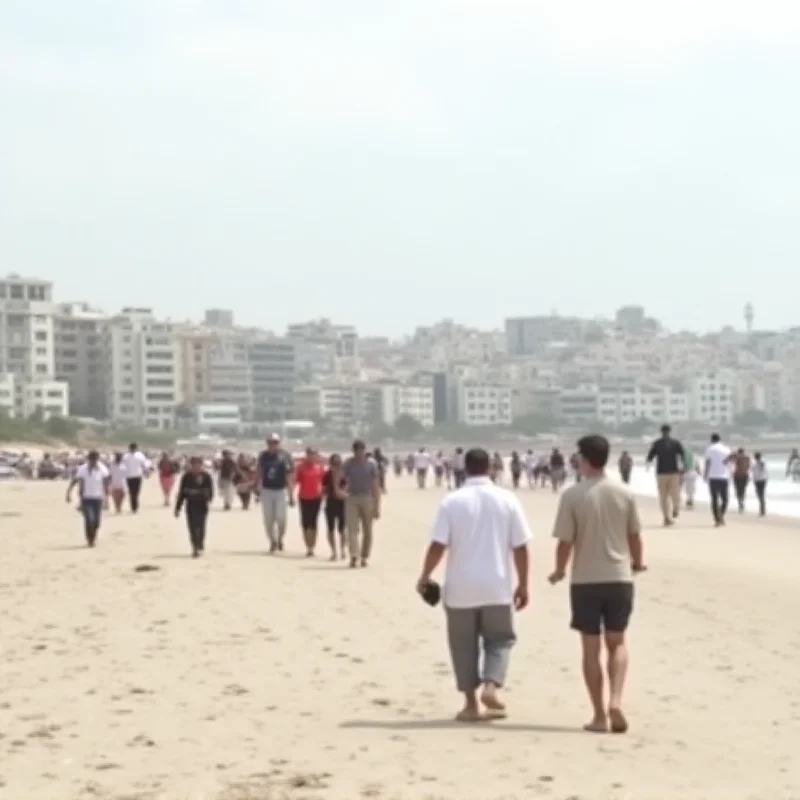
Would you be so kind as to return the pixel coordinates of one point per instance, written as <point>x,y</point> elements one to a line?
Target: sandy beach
<point>248,676</point>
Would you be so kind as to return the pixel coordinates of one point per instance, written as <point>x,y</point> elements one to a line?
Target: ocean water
<point>783,495</point>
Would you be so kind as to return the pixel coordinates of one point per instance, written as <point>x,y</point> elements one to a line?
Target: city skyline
<point>394,163</point>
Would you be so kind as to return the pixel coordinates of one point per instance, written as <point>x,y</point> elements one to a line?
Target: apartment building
<point>230,374</point>
<point>273,364</point>
<point>416,402</point>
<point>624,403</point>
<point>529,336</point>
<point>713,397</point>
<point>18,398</point>
<point>196,345</point>
<point>27,347</point>
<point>144,369</point>
<point>80,334</point>
<point>482,404</point>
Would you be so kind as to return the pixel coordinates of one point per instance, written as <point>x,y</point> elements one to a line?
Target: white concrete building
<point>50,397</point>
<point>484,404</point>
<point>416,401</point>
<point>81,335</point>
<point>144,370</point>
<point>580,405</point>
<point>624,403</point>
<point>27,347</point>
<point>712,397</point>
<point>19,398</point>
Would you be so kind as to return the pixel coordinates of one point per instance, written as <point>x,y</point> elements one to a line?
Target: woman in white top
<point>118,482</point>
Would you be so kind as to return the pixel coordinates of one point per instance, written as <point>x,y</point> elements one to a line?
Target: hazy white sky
<point>391,163</point>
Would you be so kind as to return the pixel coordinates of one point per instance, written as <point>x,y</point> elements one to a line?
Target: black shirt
<point>227,468</point>
<point>668,454</point>
<point>196,490</point>
<point>275,467</point>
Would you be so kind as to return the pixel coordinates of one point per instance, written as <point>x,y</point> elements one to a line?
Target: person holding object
<point>483,530</point>
<point>597,527</point>
<point>669,455</point>
<point>196,492</point>
<point>92,479</point>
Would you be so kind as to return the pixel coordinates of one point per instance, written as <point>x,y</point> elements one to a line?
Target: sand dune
<point>246,676</point>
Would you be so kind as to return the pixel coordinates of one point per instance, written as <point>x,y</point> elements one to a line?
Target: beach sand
<point>248,676</point>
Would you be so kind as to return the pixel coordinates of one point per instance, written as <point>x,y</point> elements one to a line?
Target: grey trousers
<point>470,630</point>
<point>273,509</point>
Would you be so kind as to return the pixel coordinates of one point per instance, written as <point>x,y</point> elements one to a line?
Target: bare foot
<point>495,707</point>
<point>597,725</point>
<point>470,715</point>
<point>618,722</point>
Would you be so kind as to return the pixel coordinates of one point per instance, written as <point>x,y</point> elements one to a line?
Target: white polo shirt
<point>135,464</point>
<point>717,456</point>
<point>480,524</point>
<point>93,488</point>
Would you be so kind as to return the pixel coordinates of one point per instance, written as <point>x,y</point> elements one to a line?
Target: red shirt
<point>309,476</point>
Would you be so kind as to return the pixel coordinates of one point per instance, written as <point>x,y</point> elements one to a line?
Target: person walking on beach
<point>196,492</point>
<point>741,477</point>
<point>362,506</point>
<point>625,466</point>
<point>308,479</point>
<point>668,455</point>
<point>275,485</point>
<point>716,473</point>
<point>597,527</point>
<point>459,475</point>
<point>118,483</point>
<point>244,479</point>
<point>136,465</point>
<point>422,463</point>
<point>226,477</point>
<point>691,472</point>
<point>92,479</point>
<point>760,476</point>
<point>167,470</point>
<point>483,530</point>
<point>334,486</point>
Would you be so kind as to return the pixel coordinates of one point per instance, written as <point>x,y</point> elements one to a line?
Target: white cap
<point>273,437</point>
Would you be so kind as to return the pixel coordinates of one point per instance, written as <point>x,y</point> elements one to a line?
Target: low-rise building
<point>484,404</point>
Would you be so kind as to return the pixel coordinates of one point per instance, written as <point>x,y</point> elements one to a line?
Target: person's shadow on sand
<point>452,724</point>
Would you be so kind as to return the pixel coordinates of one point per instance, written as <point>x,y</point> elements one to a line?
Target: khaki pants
<point>358,515</point>
<point>669,493</point>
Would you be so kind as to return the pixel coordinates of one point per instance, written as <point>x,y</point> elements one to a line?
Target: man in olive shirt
<point>362,506</point>
<point>597,525</point>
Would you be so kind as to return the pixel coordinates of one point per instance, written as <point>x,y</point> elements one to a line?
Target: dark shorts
<point>309,513</point>
<point>601,606</point>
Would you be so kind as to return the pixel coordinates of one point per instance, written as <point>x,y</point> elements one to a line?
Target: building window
<point>17,292</point>
<point>40,336</point>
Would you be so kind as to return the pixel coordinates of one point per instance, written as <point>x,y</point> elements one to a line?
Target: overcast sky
<point>393,163</point>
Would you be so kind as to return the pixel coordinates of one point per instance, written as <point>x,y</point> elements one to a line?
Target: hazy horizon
<point>497,157</point>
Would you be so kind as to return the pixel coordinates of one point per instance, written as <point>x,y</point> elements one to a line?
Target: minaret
<point>748,317</point>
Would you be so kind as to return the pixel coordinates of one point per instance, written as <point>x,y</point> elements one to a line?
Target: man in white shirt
<point>422,462</point>
<point>135,465</point>
<point>92,479</point>
<point>717,474</point>
<point>483,529</point>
